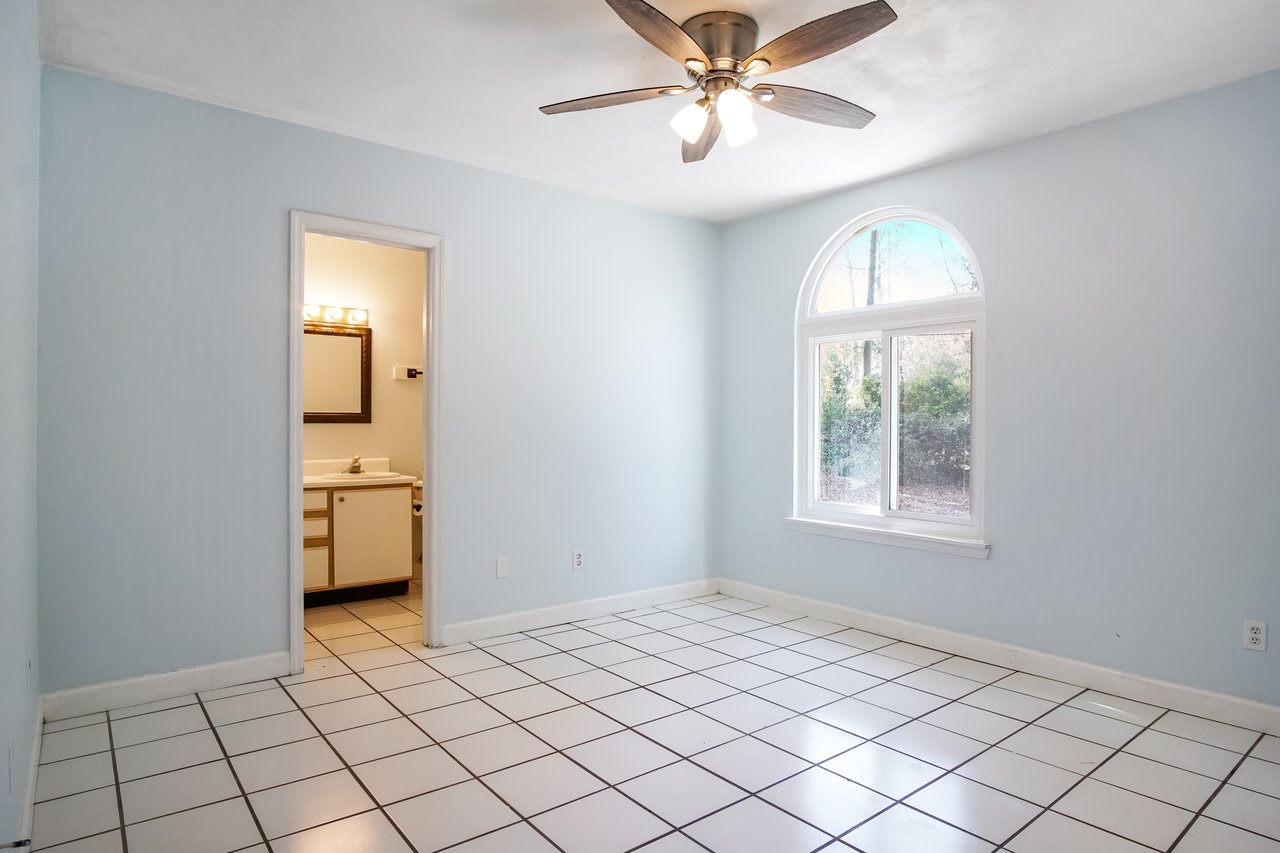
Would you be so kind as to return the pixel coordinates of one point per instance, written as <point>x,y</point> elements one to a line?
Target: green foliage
<point>934,421</point>
<point>850,415</point>
<point>934,426</point>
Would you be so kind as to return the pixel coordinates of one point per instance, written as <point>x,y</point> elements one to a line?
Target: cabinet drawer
<point>315,527</point>
<point>315,499</point>
<point>315,568</point>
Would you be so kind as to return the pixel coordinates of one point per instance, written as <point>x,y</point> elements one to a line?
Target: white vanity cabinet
<point>372,535</point>
<point>357,535</point>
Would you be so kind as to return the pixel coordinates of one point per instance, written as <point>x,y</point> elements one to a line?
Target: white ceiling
<point>462,80</point>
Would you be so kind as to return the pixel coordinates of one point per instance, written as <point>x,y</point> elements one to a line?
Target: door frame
<point>302,223</point>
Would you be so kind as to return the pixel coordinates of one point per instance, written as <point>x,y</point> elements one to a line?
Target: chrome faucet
<point>354,467</point>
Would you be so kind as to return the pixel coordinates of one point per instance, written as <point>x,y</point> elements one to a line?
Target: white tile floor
<point>714,724</point>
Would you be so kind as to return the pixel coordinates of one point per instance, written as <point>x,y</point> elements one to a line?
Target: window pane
<point>896,261</point>
<point>849,391</point>
<point>934,417</point>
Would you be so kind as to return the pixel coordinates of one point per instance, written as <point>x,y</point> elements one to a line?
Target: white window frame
<point>886,322</point>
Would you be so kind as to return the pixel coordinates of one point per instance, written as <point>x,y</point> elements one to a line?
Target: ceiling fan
<point>718,51</point>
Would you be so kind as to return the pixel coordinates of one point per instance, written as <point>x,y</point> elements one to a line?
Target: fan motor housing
<point>726,38</point>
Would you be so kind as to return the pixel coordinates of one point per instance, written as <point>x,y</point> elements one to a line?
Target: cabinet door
<point>315,568</point>
<point>371,535</point>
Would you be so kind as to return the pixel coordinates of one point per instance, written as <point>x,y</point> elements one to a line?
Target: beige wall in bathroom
<point>389,282</point>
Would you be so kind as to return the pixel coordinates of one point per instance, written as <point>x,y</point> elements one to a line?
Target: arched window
<point>889,348</point>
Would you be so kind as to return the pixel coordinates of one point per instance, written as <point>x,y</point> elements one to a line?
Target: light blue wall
<point>1134,394</point>
<point>620,381</point>
<point>19,197</point>
<point>578,339</point>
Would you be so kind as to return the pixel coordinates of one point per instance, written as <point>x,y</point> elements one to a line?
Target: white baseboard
<point>33,767</point>
<point>526,620</point>
<point>166,685</point>
<point>1191,700</point>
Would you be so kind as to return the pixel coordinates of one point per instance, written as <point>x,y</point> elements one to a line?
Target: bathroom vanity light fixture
<point>335,315</point>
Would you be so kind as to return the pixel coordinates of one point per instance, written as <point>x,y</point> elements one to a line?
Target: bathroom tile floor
<point>709,724</point>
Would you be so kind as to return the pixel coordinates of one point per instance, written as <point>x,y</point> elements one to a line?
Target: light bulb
<point>310,312</point>
<point>691,121</point>
<point>357,316</point>
<point>333,315</point>
<point>734,109</point>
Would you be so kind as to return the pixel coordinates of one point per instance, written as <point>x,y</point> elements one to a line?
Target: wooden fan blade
<point>815,106</point>
<point>659,30</point>
<point>612,99</point>
<point>692,152</point>
<point>825,35</point>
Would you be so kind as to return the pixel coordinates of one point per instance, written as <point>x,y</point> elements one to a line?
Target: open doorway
<point>363,380</point>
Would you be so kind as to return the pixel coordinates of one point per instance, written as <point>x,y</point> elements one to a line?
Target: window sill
<point>974,548</point>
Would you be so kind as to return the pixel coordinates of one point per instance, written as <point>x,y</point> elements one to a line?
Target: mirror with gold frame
<point>335,374</point>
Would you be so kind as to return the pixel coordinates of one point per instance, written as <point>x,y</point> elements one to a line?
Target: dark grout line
<point>347,766</point>
<point>1114,752</point>
<point>1216,791</point>
<point>115,774</point>
<point>234,775</point>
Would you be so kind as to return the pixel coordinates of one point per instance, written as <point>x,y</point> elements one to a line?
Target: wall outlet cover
<point>1255,635</point>
<point>502,567</point>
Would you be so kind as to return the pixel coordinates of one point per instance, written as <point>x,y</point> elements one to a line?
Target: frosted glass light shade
<point>734,109</point>
<point>740,132</point>
<point>690,121</point>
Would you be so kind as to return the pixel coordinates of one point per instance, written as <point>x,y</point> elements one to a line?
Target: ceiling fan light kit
<point>718,51</point>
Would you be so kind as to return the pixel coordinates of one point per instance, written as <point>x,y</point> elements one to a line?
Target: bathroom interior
<point>362,444</point>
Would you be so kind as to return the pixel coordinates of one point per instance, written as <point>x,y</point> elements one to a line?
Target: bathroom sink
<point>363,475</point>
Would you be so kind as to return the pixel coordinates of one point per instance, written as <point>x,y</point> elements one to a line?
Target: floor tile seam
<point>124,782</point>
<point>161,739</point>
<point>369,601</point>
<point>234,775</point>
<point>1258,734</point>
<point>957,827</point>
<point>1261,835</point>
<point>1174,766</point>
<point>458,844</point>
<point>1217,783</point>
<point>73,757</point>
<point>115,775</point>
<point>110,719</point>
<point>1267,761</point>
<point>229,723</point>
<point>357,651</point>
<point>186,809</point>
<point>40,802</point>
<point>1218,790</point>
<point>46,733</point>
<point>351,772</point>
<point>1089,775</point>
<point>62,845</point>
<point>1244,787</point>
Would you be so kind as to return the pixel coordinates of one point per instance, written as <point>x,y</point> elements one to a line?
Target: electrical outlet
<point>578,561</point>
<point>502,567</point>
<point>1255,635</point>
